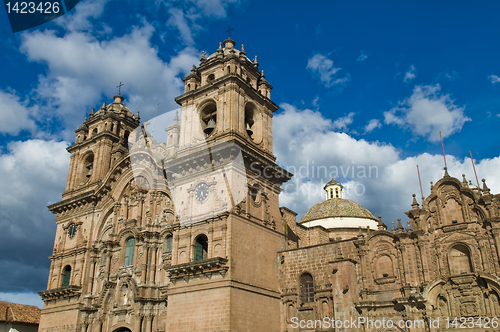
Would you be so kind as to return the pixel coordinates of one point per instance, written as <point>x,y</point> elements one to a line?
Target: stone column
<point>144,265</point>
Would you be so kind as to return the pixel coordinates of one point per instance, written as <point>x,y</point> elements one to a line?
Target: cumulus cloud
<point>373,173</point>
<point>15,114</point>
<point>427,112</point>
<point>79,18</point>
<point>81,69</point>
<point>494,79</point>
<point>410,74</point>
<point>322,68</point>
<point>374,123</point>
<point>37,172</point>
<point>342,122</point>
<point>362,56</point>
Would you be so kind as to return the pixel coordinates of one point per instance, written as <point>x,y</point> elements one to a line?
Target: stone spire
<point>414,204</point>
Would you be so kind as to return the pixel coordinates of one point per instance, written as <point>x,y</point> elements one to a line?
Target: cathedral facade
<point>186,233</point>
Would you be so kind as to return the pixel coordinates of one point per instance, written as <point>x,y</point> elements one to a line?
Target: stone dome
<point>336,208</point>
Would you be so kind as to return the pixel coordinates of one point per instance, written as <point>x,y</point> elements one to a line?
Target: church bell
<point>249,130</point>
<point>210,127</point>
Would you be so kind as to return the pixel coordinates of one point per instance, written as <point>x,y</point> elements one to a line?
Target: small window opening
<point>168,244</point>
<point>129,252</point>
<point>306,288</point>
<point>66,276</point>
<point>201,248</point>
<point>210,77</point>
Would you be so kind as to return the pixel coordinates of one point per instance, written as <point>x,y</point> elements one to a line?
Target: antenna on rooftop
<point>420,181</point>
<point>474,167</point>
<point>444,155</point>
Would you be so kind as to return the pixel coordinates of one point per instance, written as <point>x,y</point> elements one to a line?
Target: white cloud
<point>410,74</point>
<point>306,144</point>
<point>15,115</point>
<point>494,79</point>
<point>343,122</point>
<point>82,68</point>
<point>323,68</point>
<point>78,18</point>
<point>427,112</point>
<point>362,56</point>
<point>36,176</point>
<point>374,123</point>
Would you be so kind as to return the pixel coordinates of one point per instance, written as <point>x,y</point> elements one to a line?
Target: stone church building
<point>187,234</point>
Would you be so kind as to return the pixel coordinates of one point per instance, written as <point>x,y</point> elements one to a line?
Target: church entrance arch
<point>122,329</point>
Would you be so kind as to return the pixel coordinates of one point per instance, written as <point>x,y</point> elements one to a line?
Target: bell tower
<point>225,185</point>
<point>99,143</point>
<point>232,100</point>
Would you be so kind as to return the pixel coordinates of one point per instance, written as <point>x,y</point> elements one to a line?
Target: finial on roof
<point>393,230</point>
<point>446,172</point>
<point>203,56</point>
<point>380,224</point>
<point>176,118</point>
<point>360,233</point>
<point>414,204</point>
<point>400,226</point>
<point>486,190</point>
<point>243,50</point>
<point>103,105</point>
<point>137,116</point>
<point>220,47</point>
<point>464,180</point>
<point>92,111</point>
<point>432,185</point>
<point>193,70</point>
<point>255,62</point>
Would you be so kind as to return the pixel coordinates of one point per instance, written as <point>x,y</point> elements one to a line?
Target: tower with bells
<point>223,272</point>
<point>174,236</point>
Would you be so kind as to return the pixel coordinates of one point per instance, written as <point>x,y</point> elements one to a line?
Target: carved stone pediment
<point>61,292</point>
<point>203,267</point>
<point>463,279</point>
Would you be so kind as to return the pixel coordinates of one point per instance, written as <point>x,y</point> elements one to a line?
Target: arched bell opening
<point>88,167</point>
<point>208,118</point>
<point>253,126</point>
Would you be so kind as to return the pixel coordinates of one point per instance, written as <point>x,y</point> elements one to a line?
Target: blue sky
<point>359,84</point>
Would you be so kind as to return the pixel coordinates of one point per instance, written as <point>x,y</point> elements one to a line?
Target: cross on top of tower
<point>119,87</point>
<point>228,31</point>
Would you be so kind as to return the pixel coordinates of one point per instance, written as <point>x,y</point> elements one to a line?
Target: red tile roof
<point>19,313</point>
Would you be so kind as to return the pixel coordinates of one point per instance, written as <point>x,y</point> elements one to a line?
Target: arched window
<point>384,267</point>
<point>459,258</point>
<point>337,192</point>
<point>306,288</point>
<point>66,276</point>
<point>129,252</point>
<point>331,193</point>
<point>168,244</point>
<point>201,248</point>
